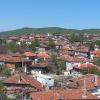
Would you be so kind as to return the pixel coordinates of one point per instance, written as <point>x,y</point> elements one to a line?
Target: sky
<point>76,14</point>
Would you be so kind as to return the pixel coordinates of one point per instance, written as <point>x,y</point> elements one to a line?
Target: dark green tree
<point>92,70</point>
<point>97,42</point>
<point>91,46</point>
<point>23,45</point>
<point>10,46</point>
<point>55,65</point>
<point>51,43</point>
<point>34,44</point>
<point>97,62</point>
<point>4,71</point>
<point>76,38</point>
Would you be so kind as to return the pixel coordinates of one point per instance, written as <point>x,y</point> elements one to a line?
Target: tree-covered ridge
<point>48,29</point>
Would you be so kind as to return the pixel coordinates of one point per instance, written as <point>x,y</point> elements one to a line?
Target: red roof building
<point>89,81</point>
<point>42,55</point>
<point>61,95</point>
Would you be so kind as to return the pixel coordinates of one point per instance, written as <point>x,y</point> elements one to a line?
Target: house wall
<point>46,81</point>
<point>36,71</point>
<point>97,91</point>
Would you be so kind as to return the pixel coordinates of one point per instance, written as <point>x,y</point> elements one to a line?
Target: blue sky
<point>77,14</point>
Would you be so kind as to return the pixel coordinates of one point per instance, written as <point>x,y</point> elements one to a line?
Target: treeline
<point>48,30</point>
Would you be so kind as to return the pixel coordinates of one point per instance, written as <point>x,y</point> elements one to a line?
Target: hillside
<point>46,30</point>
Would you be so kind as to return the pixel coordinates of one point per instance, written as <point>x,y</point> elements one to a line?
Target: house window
<point>49,78</point>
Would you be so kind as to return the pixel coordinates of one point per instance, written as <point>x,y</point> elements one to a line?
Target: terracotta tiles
<point>90,80</point>
<point>61,95</point>
<point>22,79</point>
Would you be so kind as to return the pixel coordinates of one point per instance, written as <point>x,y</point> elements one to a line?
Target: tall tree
<point>4,71</point>
<point>51,43</point>
<point>10,46</point>
<point>55,65</point>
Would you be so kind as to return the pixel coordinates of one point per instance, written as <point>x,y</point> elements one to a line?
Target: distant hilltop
<point>48,30</point>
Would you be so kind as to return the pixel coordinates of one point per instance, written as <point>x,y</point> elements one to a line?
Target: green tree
<point>23,45</point>
<point>97,62</point>
<point>10,46</point>
<point>55,65</point>
<point>92,70</point>
<point>97,42</point>
<point>34,44</point>
<point>2,92</point>
<point>76,38</point>
<point>51,43</point>
<point>91,46</point>
<point>4,71</point>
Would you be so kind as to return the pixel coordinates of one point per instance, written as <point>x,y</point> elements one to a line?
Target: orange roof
<point>73,58</point>
<point>28,54</point>
<point>84,65</point>
<point>22,79</point>
<point>10,58</point>
<point>96,52</point>
<point>42,55</point>
<point>61,95</point>
<point>90,82</point>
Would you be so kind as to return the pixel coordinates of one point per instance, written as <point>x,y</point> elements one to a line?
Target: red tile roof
<point>22,79</point>
<point>61,95</point>
<point>10,58</point>
<point>96,53</point>
<point>90,82</point>
<point>42,55</point>
<point>84,65</point>
<point>29,54</point>
<point>73,58</point>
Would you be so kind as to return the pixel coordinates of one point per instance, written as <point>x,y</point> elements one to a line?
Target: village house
<point>20,85</point>
<point>77,94</point>
<point>46,80</point>
<point>39,68</point>
<point>72,60</point>
<point>88,82</point>
<point>95,54</point>
<point>87,65</point>
<point>13,39</point>
<point>14,63</point>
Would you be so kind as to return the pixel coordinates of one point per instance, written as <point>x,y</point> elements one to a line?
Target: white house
<point>69,67</point>
<point>45,80</point>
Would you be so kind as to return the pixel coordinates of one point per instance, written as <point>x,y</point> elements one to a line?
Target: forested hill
<point>46,30</point>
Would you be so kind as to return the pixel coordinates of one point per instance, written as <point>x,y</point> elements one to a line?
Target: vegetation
<point>3,92</point>
<point>46,30</point>
<point>97,62</point>
<point>76,38</point>
<point>10,46</point>
<point>51,43</point>
<point>93,70</point>
<point>55,65</point>
<point>4,71</point>
<point>34,44</point>
<point>97,42</point>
